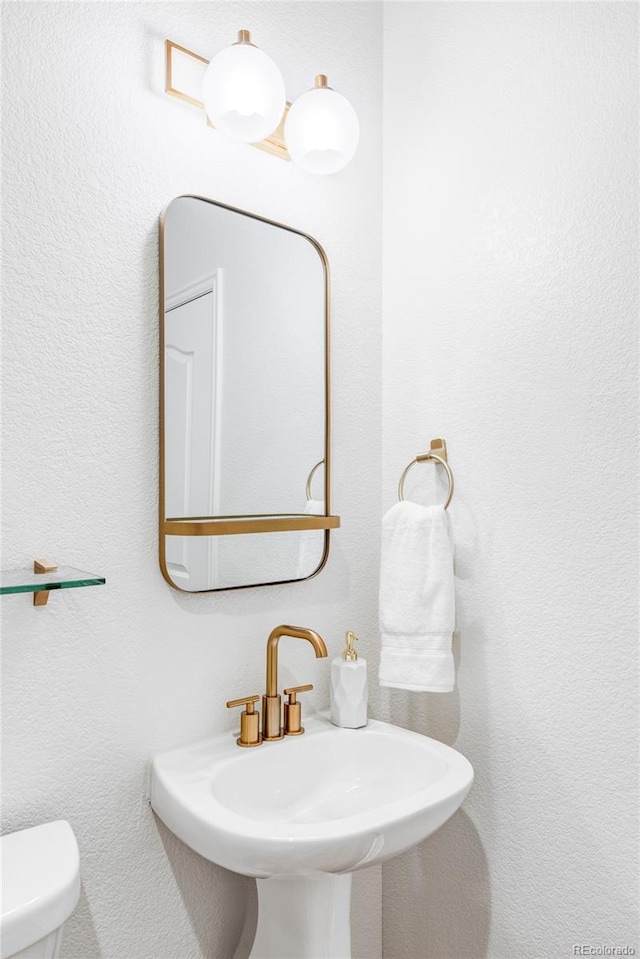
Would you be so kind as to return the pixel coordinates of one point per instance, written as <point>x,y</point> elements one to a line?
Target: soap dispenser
<point>349,687</point>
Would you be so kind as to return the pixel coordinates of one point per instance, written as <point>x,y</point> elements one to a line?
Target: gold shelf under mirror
<point>231,525</point>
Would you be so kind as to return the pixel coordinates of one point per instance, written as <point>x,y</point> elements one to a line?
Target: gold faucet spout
<point>297,632</point>
<point>271,701</point>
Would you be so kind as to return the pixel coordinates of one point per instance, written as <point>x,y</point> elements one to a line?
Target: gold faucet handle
<point>294,690</point>
<point>249,721</point>
<point>249,700</point>
<point>293,711</point>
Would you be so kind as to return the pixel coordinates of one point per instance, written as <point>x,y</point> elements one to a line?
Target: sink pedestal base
<point>303,917</point>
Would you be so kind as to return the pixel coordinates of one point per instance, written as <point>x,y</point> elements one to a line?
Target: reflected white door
<point>192,432</point>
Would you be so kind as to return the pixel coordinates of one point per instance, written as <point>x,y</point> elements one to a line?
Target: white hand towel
<point>311,542</point>
<point>417,601</point>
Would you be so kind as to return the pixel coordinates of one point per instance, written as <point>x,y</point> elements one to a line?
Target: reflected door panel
<point>192,433</point>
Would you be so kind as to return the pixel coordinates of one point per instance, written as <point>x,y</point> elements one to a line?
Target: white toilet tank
<point>40,870</point>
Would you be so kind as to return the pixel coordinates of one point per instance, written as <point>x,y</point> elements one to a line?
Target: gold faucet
<point>272,728</point>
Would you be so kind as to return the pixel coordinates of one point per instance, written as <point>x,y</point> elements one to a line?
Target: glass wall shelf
<point>64,577</point>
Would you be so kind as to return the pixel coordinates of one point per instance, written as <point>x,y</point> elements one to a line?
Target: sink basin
<point>332,801</point>
<point>304,813</point>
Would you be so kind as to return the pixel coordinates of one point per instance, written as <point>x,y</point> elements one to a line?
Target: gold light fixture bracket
<point>244,36</point>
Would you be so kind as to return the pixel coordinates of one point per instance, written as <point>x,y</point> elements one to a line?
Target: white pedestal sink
<point>304,813</point>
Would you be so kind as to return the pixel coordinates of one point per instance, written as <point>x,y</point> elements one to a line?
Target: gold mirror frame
<point>257,523</point>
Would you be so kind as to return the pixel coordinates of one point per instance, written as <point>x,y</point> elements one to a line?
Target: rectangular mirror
<point>244,399</point>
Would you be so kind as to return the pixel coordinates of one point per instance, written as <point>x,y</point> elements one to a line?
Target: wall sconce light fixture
<point>243,95</point>
<point>322,130</point>
<point>243,91</point>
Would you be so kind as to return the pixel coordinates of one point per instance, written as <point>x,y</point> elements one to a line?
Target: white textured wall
<point>101,679</point>
<point>509,193</point>
<point>510,305</point>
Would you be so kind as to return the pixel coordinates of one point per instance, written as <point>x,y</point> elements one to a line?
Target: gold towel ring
<point>422,458</point>
<point>310,479</point>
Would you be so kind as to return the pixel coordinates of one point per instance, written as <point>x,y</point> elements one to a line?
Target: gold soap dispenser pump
<point>348,692</point>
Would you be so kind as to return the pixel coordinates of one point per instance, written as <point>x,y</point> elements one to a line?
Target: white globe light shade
<point>243,93</point>
<point>321,131</point>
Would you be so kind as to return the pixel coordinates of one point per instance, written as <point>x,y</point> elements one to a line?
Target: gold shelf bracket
<point>42,566</point>
<point>273,144</point>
